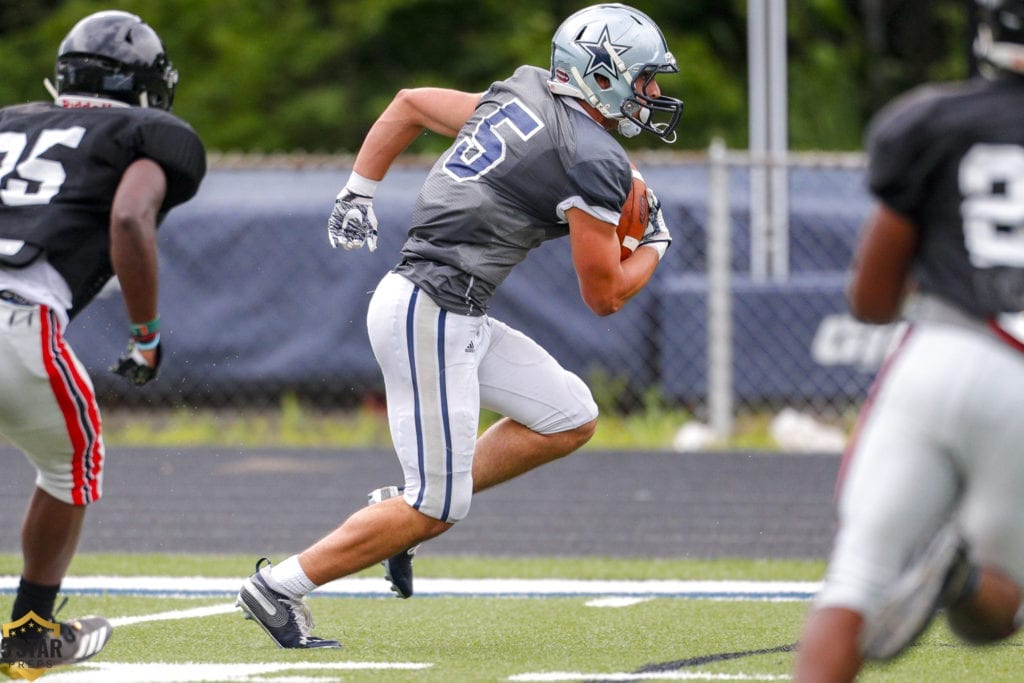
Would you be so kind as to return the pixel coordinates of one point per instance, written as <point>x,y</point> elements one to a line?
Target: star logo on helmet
<point>600,57</point>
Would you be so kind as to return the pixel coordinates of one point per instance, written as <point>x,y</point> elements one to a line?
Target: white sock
<point>288,578</point>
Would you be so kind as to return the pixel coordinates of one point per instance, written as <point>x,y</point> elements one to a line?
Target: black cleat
<point>398,567</point>
<point>287,621</point>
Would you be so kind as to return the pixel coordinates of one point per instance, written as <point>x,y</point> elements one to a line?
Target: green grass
<point>291,425</point>
<point>493,639</point>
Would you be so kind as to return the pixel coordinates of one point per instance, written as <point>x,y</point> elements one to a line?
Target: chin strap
<point>629,129</point>
<point>591,98</point>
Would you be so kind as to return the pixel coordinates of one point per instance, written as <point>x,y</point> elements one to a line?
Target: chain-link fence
<point>745,314</point>
<point>770,292</point>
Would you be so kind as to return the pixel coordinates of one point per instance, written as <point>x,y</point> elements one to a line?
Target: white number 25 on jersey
<point>38,180</point>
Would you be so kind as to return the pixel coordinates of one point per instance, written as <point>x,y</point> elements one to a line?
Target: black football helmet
<point>116,55</point>
<point>999,44</point>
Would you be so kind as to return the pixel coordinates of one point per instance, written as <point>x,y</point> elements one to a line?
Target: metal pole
<point>778,140</point>
<point>719,298</point>
<point>757,70</point>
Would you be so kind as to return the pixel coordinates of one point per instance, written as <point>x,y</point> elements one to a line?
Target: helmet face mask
<point>999,44</point>
<point>656,113</point>
<point>608,56</point>
<point>115,55</point>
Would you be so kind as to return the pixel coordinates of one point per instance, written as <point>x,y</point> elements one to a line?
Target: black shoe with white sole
<point>286,620</point>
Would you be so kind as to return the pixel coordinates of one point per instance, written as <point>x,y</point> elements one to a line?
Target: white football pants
<point>940,435</point>
<point>47,404</point>
<point>440,368</point>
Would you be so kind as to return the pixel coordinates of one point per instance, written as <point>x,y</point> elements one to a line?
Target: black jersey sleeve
<point>902,150</point>
<point>173,144</point>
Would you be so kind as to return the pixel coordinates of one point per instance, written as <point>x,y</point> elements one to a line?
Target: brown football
<point>633,221</point>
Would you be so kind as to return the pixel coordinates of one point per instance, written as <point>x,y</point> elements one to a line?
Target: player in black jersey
<point>84,183</point>
<point>931,511</point>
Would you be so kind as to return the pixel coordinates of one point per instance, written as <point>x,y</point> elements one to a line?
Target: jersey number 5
<point>485,147</point>
<point>38,180</point>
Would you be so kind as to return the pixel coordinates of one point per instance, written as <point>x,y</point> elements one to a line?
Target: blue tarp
<point>254,301</point>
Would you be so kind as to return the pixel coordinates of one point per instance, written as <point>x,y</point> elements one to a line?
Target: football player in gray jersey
<point>533,159</point>
<point>931,511</point>
<point>84,182</point>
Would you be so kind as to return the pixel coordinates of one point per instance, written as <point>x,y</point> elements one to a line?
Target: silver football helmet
<point>999,44</point>
<point>607,55</point>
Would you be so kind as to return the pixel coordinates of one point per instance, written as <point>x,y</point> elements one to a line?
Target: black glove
<point>133,367</point>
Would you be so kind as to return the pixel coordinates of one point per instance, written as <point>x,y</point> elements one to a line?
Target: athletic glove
<point>132,366</point>
<point>657,234</point>
<point>352,222</point>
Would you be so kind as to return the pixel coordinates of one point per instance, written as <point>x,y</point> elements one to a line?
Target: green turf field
<point>452,638</point>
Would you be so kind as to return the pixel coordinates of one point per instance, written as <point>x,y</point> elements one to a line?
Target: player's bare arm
<point>439,110</point>
<point>882,266</point>
<point>352,222</point>
<point>606,283</point>
<point>133,252</point>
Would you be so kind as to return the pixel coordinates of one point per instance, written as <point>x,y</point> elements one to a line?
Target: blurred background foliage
<point>311,75</point>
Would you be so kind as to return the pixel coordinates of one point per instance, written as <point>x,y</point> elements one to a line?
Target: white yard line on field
<point>193,613</point>
<point>617,601</point>
<point>199,586</point>
<point>113,672</point>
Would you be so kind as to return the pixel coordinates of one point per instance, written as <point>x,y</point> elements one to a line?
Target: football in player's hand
<point>633,220</point>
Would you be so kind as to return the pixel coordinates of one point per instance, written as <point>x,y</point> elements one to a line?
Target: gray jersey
<point>502,189</point>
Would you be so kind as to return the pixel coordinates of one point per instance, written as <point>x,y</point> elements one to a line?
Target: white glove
<point>657,235</point>
<point>352,222</point>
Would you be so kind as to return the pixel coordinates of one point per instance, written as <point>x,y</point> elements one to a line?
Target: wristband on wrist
<point>660,247</point>
<point>357,184</point>
<point>148,344</point>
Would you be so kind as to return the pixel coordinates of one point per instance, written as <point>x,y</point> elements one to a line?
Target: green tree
<point>312,75</point>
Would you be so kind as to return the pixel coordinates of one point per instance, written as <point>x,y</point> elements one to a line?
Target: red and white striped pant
<point>47,404</point>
